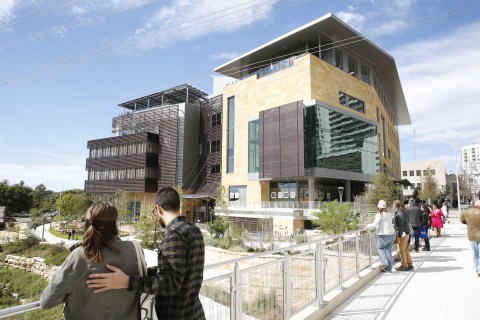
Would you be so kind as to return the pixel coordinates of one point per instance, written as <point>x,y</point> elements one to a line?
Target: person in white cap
<point>471,217</point>
<point>386,235</point>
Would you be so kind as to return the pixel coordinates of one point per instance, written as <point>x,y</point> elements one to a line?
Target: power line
<point>257,64</point>
<point>36,35</point>
<point>131,45</point>
<point>33,15</point>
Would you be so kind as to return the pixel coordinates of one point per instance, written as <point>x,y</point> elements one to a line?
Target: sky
<point>66,65</point>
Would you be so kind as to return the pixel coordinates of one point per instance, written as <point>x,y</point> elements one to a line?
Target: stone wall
<point>35,265</point>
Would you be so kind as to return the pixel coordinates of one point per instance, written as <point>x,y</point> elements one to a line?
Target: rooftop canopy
<point>184,93</point>
<point>326,32</point>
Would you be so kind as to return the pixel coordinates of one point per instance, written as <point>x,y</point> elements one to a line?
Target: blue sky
<point>65,65</point>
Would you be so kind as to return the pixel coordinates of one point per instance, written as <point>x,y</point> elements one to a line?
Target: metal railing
<point>277,284</point>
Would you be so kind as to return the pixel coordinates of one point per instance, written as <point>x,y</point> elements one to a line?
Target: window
<point>424,172</point>
<point>365,73</point>
<point>411,173</point>
<point>237,193</point>
<point>351,102</point>
<point>432,172</point>
<point>253,146</point>
<point>215,168</point>
<point>419,185</point>
<point>231,135</point>
<point>338,59</point>
<point>215,146</point>
<point>216,119</point>
<point>419,173</point>
<point>352,66</point>
<point>404,173</point>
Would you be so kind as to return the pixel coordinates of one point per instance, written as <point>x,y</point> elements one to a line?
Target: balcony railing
<point>277,284</point>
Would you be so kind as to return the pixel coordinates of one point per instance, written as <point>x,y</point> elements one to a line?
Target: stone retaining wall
<point>35,265</point>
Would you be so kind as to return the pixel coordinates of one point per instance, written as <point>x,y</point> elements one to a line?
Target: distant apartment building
<point>471,166</point>
<point>169,138</point>
<point>310,116</point>
<point>415,172</point>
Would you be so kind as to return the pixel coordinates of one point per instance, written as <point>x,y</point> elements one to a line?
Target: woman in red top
<point>437,221</point>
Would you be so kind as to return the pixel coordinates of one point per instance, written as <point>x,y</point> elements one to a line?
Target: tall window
<point>338,59</point>
<point>231,134</point>
<point>352,66</point>
<point>216,119</point>
<point>365,73</point>
<point>253,147</point>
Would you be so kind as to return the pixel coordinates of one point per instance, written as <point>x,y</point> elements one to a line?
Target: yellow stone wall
<point>309,78</point>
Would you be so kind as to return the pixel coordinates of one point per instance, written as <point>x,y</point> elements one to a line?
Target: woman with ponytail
<point>101,246</point>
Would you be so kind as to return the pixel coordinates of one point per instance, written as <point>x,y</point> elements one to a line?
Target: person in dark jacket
<point>403,230</point>
<point>425,222</point>
<point>414,214</point>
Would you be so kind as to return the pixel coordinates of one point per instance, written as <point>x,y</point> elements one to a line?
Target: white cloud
<point>355,20</point>
<point>389,27</point>
<point>394,8</point>
<point>440,82</point>
<point>224,55</point>
<point>6,10</point>
<point>188,19</point>
<point>54,177</point>
<point>85,8</point>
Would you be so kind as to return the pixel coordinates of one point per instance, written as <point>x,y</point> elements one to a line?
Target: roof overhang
<point>328,28</point>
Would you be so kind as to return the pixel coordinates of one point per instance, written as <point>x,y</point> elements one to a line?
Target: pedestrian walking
<point>402,226</point>
<point>386,235</point>
<point>471,217</point>
<point>414,214</point>
<point>437,220</point>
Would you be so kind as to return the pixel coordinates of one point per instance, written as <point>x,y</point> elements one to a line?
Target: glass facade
<point>334,140</point>
<point>253,146</point>
<point>231,134</point>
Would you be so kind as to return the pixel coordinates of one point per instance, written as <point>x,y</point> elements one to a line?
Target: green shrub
<point>56,255</point>
<point>218,227</point>
<point>28,287</point>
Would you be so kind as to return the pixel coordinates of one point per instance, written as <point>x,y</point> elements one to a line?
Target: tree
<point>71,205</point>
<point>219,224</point>
<point>42,198</point>
<point>149,231</point>
<point>336,218</point>
<point>382,188</point>
<point>18,197</point>
<point>120,201</point>
<point>429,186</point>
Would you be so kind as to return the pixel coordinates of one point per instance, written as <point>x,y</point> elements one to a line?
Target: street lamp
<point>455,143</point>
<point>340,193</point>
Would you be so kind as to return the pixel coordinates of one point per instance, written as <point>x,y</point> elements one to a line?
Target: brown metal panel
<point>282,142</point>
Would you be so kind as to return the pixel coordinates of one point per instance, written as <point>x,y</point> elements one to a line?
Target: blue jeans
<point>476,254</point>
<point>384,246</point>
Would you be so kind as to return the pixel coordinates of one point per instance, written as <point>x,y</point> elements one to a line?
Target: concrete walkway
<point>444,285</point>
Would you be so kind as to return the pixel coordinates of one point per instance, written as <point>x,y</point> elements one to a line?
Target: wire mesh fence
<point>280,283</point>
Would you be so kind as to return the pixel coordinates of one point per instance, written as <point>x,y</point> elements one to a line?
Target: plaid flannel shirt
<point>177,279</point>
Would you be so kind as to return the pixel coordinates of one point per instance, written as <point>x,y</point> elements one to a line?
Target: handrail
<point>16,310</point>
<point>317,246</point>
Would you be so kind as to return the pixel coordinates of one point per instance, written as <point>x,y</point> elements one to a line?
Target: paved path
<point>444,285</point>
<point>150,255</point>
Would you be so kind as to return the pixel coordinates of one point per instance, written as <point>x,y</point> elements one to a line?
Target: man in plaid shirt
<point>177,279</point>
